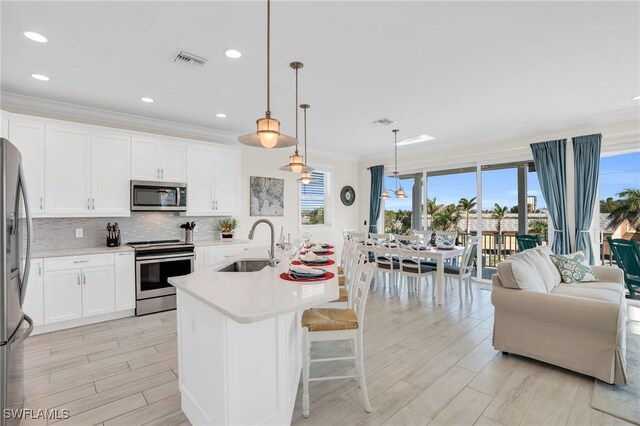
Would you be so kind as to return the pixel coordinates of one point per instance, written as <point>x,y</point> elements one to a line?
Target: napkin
<point>309,256</point>
<point>301,269</point>
<point>317,247</point>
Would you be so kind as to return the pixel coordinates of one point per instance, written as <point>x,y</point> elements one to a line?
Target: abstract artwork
<point>267,196</point>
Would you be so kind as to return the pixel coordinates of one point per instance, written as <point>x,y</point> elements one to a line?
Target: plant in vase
<point>227,227</point>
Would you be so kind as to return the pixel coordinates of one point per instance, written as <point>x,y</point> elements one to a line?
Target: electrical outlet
<point>79,232</point>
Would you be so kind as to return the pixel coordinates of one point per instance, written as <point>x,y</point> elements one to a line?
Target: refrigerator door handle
<point>27,264</point>
<point>26,334</point>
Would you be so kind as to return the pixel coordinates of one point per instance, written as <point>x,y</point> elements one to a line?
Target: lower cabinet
<point>98,291</point>
<point>62,295</point>
<point>73,287</point>
<point>34,299</point>
<point>208,255</point>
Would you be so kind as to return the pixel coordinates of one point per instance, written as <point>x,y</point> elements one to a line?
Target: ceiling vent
<point>383,121</point>
<point>189,58</point>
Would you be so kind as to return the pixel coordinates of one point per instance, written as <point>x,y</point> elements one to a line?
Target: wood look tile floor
<point>425,364</point>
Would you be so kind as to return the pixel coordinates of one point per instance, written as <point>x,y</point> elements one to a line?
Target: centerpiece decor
<point>227,227</point>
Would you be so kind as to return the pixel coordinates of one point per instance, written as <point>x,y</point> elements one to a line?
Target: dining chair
<point>526,242</point>
<point>387,261</point>
<point>326,324</point>
<point>465,270</point>
<point>413,268</point>
<point>627,256</point>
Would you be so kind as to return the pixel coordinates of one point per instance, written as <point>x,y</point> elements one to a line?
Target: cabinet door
<point>145,158</point>
<point>4,128</point>
<point>29,138</point>
<point>34,299</point>
<point>125,281</point>
<point>62,295</point>
<point>110,174</point>
<point>199,180</point>
<point>173,161</point>
<point>98,291</point>
<point>67,163</point>
<point>201,258</point>
<point>226,182</point>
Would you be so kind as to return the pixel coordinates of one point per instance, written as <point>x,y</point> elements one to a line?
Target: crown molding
<point>27,105</point>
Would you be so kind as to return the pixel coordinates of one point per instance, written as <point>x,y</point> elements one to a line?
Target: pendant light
<point>296,165</point>
<point>399,190</point>
<point>305,176</point>
<point>268,134</point>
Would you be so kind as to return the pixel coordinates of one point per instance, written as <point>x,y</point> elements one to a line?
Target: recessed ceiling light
<point>35,37</point>
<point>147,100</point>
<point>636,98</point>
<point>221,115</point>
<point>417,139</point>
<point>232,53</point>
<point>40,77</point>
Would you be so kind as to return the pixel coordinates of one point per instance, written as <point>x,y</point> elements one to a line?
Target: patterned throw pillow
<point>573,268</point>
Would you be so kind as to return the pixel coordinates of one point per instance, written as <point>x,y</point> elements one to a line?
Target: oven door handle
<point>164,258</point>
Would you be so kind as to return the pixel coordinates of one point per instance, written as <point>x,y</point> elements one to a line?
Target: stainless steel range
<point>156,261</point>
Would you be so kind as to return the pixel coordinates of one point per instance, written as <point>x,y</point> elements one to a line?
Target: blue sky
<point>501,186</point>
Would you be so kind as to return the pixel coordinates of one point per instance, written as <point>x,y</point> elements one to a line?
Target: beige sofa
<point>580,327</point>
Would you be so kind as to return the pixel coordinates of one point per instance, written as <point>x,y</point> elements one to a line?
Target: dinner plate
<point>318,260</point>
<point>319,273</point>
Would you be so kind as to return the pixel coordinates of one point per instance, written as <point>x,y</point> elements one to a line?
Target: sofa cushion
<point>542,267</point>
<point>546,252</point>
<point>588,293</point>
<point>573,267</point>
<point>600,285</point>
<point>519,272</point>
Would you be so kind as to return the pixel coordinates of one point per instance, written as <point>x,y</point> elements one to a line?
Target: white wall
<point>264,162</point>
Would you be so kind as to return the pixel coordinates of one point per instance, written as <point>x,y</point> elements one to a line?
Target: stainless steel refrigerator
<point>15,261</point>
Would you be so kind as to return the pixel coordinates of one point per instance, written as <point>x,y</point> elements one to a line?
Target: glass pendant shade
<point>305,178</point>
<point>400,193</point>
<point>268,132</point>
<point>296,165</point>
<point>385,195</point>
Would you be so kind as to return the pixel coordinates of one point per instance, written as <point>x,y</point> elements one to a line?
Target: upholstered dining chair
<point>526,242</point>
<point>413,268</point>
<point>464,271</point>
<point>387,261</point>
<point>322,324</point>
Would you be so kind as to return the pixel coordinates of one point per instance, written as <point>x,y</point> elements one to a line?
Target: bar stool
<point>319,325</point>
<point>356,259</point>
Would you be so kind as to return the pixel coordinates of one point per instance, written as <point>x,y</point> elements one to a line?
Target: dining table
<point>440,256</point>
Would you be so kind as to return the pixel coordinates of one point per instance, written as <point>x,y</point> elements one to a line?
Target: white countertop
<point>36,254</point>
<point>248,297</point>
<point>220,242</point>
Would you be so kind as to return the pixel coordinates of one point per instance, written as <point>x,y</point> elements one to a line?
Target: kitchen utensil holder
<point>188,236</point>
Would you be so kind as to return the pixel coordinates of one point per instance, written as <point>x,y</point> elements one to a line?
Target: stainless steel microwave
<point>148,196</point>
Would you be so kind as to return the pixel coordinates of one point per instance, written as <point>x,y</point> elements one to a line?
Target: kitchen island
<point>239,337</point>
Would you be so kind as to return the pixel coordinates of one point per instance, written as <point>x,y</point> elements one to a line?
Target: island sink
<point>247,265</point>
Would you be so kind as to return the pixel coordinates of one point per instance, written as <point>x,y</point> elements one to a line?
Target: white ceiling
<point>452,70</point>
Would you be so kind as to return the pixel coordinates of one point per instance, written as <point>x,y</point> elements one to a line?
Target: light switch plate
<point>79,232</point>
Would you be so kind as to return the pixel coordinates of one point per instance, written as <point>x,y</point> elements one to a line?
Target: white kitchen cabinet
<point>98,291</point>
<point>199,180</point>
<point>208,255</point>
<point>28,137</point>
<point>158,159</point>
<point>67,171</point>
<point>226,182</point>
<point>110,174</point>
<point>4,128</point>
<point>201,258</point>
<point>62,295</point>
<point>125,281</point>
<point>34,299</point>
<point>213,179</point>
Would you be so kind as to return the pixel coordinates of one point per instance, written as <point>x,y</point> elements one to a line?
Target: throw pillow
<point>573,268</point>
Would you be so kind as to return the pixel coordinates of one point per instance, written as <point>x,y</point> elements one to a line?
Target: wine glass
<point>290,250</point>
<point>306,236</point>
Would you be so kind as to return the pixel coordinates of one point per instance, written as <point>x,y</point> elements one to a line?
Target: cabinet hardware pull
<point>78,279</point>
<point>161,173</point>
<point>40,269</point>
<point>80,261</point>
<point>84,278</point>
<point>41,203</point>
<point>93,204</point>
<point>88,203</point>
<point>158,173</point>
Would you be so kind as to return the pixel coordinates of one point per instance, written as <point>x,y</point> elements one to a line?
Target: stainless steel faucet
<point>272,253</point>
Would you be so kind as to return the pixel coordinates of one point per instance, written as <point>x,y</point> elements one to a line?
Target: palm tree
<point>466,206</point>
<point>499,212</point>
<point>446,218</point>
<point>432,206</point>
<point>627,208</point>
<point>539,227</point>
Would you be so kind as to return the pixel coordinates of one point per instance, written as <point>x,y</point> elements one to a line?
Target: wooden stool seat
<point>328,319</point>
<point>340,270</point>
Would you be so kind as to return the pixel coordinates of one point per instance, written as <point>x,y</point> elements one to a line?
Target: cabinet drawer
<point>72,262</point>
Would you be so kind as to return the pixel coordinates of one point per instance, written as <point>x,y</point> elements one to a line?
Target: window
<point>315,200</point>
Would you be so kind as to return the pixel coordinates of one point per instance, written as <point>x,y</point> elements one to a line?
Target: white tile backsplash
<point>59,233</point>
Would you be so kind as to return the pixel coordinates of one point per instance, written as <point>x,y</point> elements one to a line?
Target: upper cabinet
<point>110,174</point>
<point>213,180</point>
<point>28,137</point>
<point>158,159</point>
